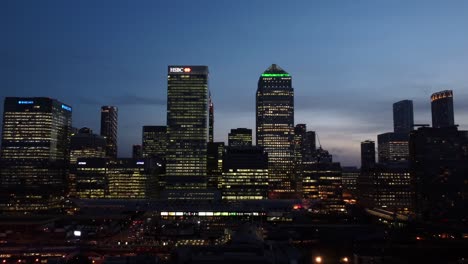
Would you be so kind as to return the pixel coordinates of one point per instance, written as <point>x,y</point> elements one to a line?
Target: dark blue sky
<point>350,60</point>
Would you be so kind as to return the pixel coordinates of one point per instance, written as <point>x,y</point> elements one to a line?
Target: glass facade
<point>187,126</point>
<point>154,141</point>
<point>240,137</point>
<point>442,109</point>
<point>109,129</point>
<point>393,147</point>
<point>275,128</point>
<point>35,154</point>
<point>403,117</point>
<point>245,174</point>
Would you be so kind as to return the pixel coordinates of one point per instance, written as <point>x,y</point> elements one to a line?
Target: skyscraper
<point>211,122</point>
<point>154,141</point>
<point>367,154</point>
<point>137,152</point>
<point>442,109</point>
<point>85,144</point>
<point>109,129</point>
<point>215,152</point>
<point>403,119</point>
<point>275,128</point>
<point>35,154</point>
<point>393,146</point>
<point>245,174</point>
<point>187,126</point>
<point>240,137</point>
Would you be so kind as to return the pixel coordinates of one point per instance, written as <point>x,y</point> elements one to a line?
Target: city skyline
<point>327,73</point>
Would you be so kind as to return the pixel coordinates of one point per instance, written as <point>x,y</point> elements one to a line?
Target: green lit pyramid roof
<point>275,71</point>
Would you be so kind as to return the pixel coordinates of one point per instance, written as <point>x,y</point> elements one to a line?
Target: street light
<point>318,259</point>
<point>345,260</point>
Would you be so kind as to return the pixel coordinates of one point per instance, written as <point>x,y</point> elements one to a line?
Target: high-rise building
<point>211,122</point>
<point>439,169</point>
<point>245,174</point>
<point>154,141</point>
<point>350,177</point>
<point>367,154</point>
<point>116,178</point>
<point>240,137</point>
<point>91,178</point>
<point>403,119</point>
<point>309,146</point>
<point>275,128</point>
<point>35,154</point>
<point>109,116</point>
<point>137,152</point>
<point>214,163</point>
<point>300,131</point>
<point>85,144</point>
<point>392,146</point>
<point>442,109</point>
<point>187,126</point>
<point>322,181</point>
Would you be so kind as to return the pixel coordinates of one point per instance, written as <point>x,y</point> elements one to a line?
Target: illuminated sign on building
<point>66,107</point>
<point>179,70</point>
<point>82,163</point>
<point>140,163</point>
<point>25,102</point>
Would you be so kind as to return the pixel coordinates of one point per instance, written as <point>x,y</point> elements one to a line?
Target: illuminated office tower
<point>35,154</point>
<point>275,128</point>
<point>109,129</point>
<point>245,174</point>
<point>137,152</point>
<point>393,146</point>
<point>85,144</point>
<point>91,178</point>
<point>323,181</point>
<point>240,137</point>
<point>187,127</point>
<point>211,122</point>
<point>154,141</point>
<point>442,109</point>
<point>128,179</point>
<point>215,152</point>
<point>367,154</point>
<point>403,117</point>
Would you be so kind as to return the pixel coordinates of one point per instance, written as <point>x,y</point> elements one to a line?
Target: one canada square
<point>187,126</point>
<point>275,128</point>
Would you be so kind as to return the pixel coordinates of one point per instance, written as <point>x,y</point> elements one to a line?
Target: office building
<point>117,178</point>
<point>439,169</point>
<point>137,152</point>
<point>187,127</point>
<point>239,137</point>
<point>403,118</point>
<point>35,154</point>
<point>154,141</point>
<point>367,154</point>
<point>393,147</point>
<point>215,152</point>
<point>91,178</point>
<point>442,109</point>
<point>387,186</point>
<point>275,128</point>
<point>323,181</point>
<point>245,174</point>
<point>86,144</point>
<point>109,116</point>
<point>211,122</point>
<point>350,177</point>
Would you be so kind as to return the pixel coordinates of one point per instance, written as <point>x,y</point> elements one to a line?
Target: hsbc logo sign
<point>179,70</point>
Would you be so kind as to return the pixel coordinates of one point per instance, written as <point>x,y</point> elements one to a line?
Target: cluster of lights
<point>211,213</point>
